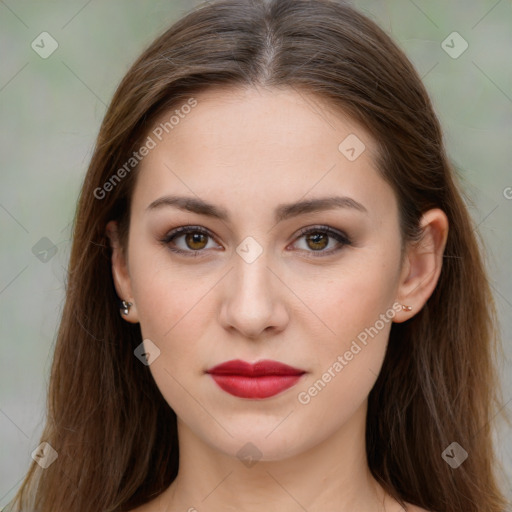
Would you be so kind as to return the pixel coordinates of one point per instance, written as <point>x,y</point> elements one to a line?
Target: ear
<point>120,273</point>
<point>422,264</point>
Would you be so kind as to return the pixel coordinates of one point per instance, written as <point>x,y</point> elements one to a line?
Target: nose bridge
<point>251,304</point>
<point>251,274</point>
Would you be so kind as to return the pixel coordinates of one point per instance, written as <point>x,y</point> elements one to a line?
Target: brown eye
<point>196,240</point>
<point>317,240</point>
<point>188,240</point>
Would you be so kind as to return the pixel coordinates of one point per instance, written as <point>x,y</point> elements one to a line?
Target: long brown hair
<point>114,433</point>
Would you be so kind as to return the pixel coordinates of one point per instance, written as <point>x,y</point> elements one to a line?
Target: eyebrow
<point>282,212</point>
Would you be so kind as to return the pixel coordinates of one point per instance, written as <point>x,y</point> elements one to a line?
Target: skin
<point>248,151</point>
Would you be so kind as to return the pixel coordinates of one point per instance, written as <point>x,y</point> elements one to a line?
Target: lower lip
<point>255,387</point>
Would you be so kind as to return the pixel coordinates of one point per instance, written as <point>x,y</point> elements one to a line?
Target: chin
<point>261,443</point>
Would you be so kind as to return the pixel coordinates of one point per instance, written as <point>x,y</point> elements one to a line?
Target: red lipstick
<point>258,380</point>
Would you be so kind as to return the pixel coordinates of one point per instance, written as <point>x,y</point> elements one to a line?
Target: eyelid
<point>324,228</point>
<point>339,236</point>
<point>183,230</point>
<point>342,239</point>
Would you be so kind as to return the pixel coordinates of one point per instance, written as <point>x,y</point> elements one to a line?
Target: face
<point>266,271</point>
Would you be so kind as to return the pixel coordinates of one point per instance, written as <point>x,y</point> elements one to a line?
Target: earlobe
<point>423,264</point>
<point>120,275</point>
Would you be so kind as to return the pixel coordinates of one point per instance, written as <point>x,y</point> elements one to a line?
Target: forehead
<point>246,116</point>
<point>259,146</point>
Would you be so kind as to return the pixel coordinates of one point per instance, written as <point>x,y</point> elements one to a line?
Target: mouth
<point>259,380</point>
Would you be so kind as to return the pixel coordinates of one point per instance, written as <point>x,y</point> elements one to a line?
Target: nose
<point>253,302</point>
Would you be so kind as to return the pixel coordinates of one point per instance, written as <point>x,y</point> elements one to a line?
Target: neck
<point>331,475</point>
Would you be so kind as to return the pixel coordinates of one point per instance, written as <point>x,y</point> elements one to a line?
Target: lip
<point>258,380</point>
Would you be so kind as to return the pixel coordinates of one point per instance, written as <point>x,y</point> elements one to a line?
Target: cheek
<point>172,305</point>
<point>174,315</point>
<point>348,362</point>
<point>174,310</point>
<point>356,311</point>
<point>165,294</point>
<point>351,296</point>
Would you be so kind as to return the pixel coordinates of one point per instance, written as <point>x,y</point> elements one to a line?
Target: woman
<point>275,297</point>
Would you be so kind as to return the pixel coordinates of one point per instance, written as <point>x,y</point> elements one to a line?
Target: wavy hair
<point>114,433</point>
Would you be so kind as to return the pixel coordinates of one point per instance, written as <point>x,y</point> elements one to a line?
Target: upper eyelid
<point>183,230</point>
<point>331,232</point>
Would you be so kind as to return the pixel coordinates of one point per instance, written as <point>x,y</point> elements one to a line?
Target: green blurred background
<point>51,109</point>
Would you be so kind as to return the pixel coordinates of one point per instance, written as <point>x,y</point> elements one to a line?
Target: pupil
<point>315,241</point>
<point>195,238</point>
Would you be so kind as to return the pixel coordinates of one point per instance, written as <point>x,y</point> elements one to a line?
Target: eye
<point>317,239</point>
<point>195,239</point>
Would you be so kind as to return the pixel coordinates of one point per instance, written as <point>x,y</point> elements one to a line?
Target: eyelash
<point>340,237</point>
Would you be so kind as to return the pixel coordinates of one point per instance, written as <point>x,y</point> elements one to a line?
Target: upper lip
<point>257,369</point>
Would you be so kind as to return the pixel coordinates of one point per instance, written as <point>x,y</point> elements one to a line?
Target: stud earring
<point>406,308</point>
<point>125,309</point>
